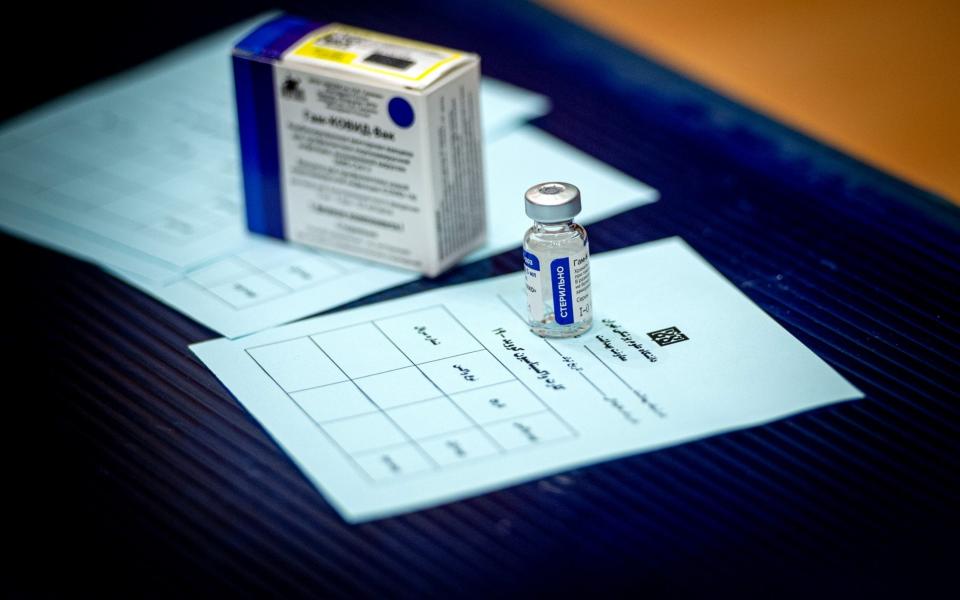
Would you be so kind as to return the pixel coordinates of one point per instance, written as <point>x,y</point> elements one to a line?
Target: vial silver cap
<point>552,202</point>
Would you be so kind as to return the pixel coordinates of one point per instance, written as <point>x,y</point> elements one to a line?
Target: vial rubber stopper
<point>552,202</point>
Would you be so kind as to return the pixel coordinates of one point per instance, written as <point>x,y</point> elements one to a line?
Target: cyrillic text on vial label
<point>531,270</point>
<point>569,278</point>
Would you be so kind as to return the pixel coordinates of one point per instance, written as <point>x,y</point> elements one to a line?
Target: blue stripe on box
<point>253,61</point>
<point>259,152</point>
<point>271,40</point>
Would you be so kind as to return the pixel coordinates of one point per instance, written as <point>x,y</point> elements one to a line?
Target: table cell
<point>335,401</point>
<point>16,189</point>
<point>364,433</point>
<point>181,226</point>
<point>35,165</point>
<point>498,402</point>
<point>226,270</point>
<point>269,253</point>
<point>361,350</point>
<point>138,168</point>
<point>184,186</point>
<point>296,364</point>
<point>393,462</point>
<point>59,204</point>
<point>428,334</point>
<point>529,430</point>
<point>399,387</point>
<point>466,372</point>
<point>90,190</point>
<point>458,447</point>
<point>247,291</point>
<point>429,418</point>
<point>303,272</point>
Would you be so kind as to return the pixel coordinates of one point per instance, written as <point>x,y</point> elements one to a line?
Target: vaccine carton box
<point>361,142</point>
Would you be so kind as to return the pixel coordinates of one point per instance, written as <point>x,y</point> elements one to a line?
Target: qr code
<point>665,337</point>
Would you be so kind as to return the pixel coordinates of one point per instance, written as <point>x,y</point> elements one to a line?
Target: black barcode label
<point>391,61</point>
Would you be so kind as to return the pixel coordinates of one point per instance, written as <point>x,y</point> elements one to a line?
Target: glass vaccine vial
<point>556,259</point>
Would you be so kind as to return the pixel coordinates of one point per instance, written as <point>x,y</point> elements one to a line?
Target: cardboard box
<point>361,142</point>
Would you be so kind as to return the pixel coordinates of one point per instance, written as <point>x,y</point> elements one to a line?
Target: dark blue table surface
<point>135,472</point>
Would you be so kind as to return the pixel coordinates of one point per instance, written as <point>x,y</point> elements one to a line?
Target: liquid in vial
<point>556,258</point>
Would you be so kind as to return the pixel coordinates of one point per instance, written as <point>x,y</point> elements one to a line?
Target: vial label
<point>569,294</point>
<point>531,269</point>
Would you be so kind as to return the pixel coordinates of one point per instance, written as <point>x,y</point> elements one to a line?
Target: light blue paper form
<point>139,174</point>
<point>505,107</point>
<point>442,395</point>
<point>527,156</point>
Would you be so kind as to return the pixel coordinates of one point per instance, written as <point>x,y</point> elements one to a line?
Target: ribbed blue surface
<point>181,487</point>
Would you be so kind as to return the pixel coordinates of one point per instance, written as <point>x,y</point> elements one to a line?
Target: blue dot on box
<point>401,112</point>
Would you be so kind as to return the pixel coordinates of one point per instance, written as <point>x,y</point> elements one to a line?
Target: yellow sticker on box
<point>375,54</point>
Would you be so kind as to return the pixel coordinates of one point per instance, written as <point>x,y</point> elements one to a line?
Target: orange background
<point>880,80</point>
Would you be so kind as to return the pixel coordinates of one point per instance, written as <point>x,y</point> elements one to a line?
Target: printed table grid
<point>131,210</point>
<point>435,403</point>
<point>222,289</point>
<point>128,185</point>
<point>149,184</point>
